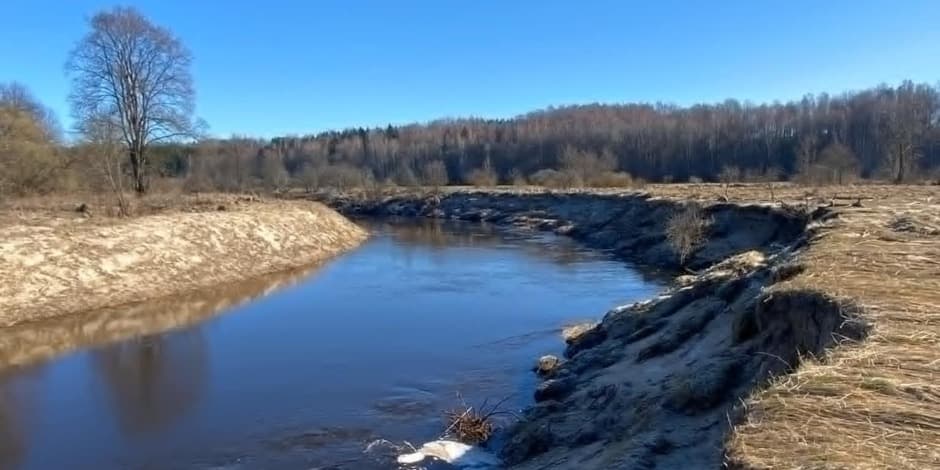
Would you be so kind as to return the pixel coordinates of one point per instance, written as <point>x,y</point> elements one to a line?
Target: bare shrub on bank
<point>104,147</point>
<point>30,160</point>
<point>686,230</point>
<point>435,174</point>
<point>473,425</point>
<point>550,178</point>
<point>482,177</point>
<point>517,178</point>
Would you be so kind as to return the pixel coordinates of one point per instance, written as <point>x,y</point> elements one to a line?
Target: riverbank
<point>58,260</point>
<point>808,337</point>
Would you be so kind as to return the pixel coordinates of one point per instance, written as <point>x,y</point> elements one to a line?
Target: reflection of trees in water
<point>17,402</point>
<point>154,380</point>
<point>440,234</point>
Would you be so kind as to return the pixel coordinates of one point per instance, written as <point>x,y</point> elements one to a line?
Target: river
<point>304,369</point>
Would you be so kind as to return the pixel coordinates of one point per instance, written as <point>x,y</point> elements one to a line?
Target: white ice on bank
<point>455,453</point>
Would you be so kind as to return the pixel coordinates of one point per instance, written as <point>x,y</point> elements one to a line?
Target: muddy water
<point>303,369</point>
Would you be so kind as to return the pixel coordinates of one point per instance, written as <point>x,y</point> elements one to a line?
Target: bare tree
<point>839,161</point>
<point>135,74</point>
<point>104,142</point>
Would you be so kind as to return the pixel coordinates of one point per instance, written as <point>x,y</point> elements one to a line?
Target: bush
<point>434,174</point>
<point>549,178</point>
<point>482,177</point>
<point>344,176</point>
<point>29,158</point>
<point>686,230</point>
<point>729,174</point>
<point>517,178</point>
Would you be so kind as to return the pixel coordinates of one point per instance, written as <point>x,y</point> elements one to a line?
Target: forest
<point>884,133</point>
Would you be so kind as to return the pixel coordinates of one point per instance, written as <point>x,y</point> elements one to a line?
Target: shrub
<point>686,230</point>
<point>482,177</point>
<point>729,174</point>
<point>517,178</point>
<point>343,176</point>
<point>435,174</point>
<point>549,178</point>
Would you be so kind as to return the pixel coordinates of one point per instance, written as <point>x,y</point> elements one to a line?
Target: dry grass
<point>875,404</point>
<point>686,230</point>
<point>473,425</point>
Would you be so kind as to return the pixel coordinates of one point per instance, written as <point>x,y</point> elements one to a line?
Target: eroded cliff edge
<point>657,384</point>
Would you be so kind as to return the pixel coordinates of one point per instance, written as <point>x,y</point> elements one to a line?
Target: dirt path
<point>58,263</point>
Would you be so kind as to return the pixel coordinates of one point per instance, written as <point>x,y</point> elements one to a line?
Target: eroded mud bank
<point>631,225</point>
<point>657,384</point>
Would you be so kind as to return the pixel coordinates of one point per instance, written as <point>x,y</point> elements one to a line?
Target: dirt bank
<point>632,225</point>
<point>737,365</point>
<point>55,263</point>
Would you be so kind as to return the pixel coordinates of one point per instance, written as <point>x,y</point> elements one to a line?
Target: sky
<point>277,67</point>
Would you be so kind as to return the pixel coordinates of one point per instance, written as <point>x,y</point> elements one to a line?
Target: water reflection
<point>440,235</point>
<point>373,347</point>
<point>31,343</point>
<point>18,395</point>
<point>153,380</point>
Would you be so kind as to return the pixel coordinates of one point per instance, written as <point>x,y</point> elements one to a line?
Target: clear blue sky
<point>276,67</point>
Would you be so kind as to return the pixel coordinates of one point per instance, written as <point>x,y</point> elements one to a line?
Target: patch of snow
<point>455,453</point>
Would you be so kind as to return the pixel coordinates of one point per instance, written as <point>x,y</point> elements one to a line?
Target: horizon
<point>301,69</point>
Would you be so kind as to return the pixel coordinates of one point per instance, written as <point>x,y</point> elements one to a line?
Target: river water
<point>304,369</point>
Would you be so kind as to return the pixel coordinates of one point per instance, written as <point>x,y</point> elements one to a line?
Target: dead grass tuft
<point>473,425</point>
<point>686,230</point>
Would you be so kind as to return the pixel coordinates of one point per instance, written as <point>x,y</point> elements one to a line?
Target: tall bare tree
<point>137,75</point>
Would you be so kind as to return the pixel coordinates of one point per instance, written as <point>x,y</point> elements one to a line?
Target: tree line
<point>884,133</point>
<point>133,99</point>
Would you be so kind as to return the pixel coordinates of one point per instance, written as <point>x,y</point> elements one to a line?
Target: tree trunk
<point>899,177</point>
<point>138,171</point>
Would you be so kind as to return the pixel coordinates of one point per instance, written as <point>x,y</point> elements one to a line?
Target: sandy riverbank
<point>60,262</point>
